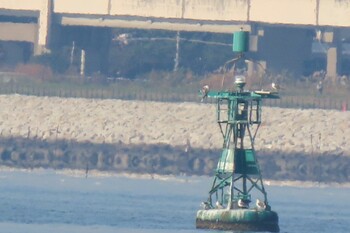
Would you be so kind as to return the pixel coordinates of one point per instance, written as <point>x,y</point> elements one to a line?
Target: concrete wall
<point>148,8</point>
<point>297,12</point>
<point>34,5</point>
<point>291,12</point>
<point>335,13</point>
<point>284,11</point>
<point>196,9</point>
<point>44,9</point>
<point>9,32</point>
<point>97,7</point>
<point>226,10</point>
<point>44,27</point>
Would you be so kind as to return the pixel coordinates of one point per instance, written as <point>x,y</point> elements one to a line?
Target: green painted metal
<point>238,220</point>
<point>240,42</point>
<point>237,178</point>
<point>239,118</point>
<point>239,215</point>
<point>238,175</point>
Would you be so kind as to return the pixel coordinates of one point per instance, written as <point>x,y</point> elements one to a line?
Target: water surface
<point>45,201</point>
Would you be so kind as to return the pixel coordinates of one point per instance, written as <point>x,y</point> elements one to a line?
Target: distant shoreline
<point>169,178</point>
<point>177,124</point>
<point>165,138</point>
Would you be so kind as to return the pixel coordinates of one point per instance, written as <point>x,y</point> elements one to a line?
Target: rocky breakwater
<point>165,138</point>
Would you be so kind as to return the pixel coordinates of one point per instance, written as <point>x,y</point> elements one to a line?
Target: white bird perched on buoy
<point>242,204</point>
<point>204,91</point>
<point>218,205</point>
<point>260,204</point>
<point>276,87</point>
<point>205,205</point>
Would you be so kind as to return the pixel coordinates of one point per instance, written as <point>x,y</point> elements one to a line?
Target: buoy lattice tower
<point>238,174</point>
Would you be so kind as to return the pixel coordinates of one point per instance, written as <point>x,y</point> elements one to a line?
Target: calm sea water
<point>46,202</point>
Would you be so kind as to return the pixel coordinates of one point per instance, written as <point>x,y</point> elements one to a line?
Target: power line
<point>126,39</point>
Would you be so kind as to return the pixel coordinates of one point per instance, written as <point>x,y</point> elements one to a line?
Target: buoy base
<point>238,220</point>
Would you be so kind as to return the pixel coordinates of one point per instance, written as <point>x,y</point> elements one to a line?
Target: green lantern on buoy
<point>240,42</point>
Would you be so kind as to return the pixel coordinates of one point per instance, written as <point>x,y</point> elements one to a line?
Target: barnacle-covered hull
<point>238,220</point>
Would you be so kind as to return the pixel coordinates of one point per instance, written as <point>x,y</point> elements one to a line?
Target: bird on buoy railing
<point>260,204</point>
<point>204,91</point>
<point>218,205</point>
<point>205,205</point>
<point>242,204</point>
<point>276,87</point>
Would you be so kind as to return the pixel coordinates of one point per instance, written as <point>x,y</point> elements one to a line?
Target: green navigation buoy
<point>238,180</point>
<point>240,42</point>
